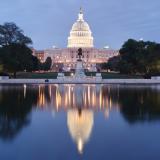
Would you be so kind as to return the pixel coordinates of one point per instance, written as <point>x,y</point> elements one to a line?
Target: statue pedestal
<point>79,70</point>
<point>98,76</point>
<point>60,76</point>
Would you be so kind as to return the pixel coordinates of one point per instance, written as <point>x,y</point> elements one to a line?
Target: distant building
<point>40,54</point>
<point>80,37</point>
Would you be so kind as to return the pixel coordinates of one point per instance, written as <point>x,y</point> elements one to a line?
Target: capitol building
<point>80,37</point>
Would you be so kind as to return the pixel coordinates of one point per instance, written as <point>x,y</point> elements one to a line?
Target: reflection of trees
<point>110,92</point>
<point>139,104</point>
<point>14,110</point>
<point>135,104</point>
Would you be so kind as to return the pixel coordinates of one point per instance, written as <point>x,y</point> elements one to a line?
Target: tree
<point>35,63</point>
<point>139,57</point>
<point>113,63</point>
<point>10,33</point>
<point>102,66</point>
<point>131,54</point>
<point>47,64</point>
<point>16,57</point>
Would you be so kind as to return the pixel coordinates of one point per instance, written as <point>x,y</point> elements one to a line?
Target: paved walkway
<point>80,81</point>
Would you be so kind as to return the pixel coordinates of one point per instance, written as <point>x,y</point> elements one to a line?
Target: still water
<point>79,122</point>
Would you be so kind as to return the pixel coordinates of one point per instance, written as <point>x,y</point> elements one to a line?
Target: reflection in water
<point>44,96</point>
<point>64,97</point>
<point>136,104</point>
<point>25,86</point>
<point>15,107</point>
<point>80,123</point>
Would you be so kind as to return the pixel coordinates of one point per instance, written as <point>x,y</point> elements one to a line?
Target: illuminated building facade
<point>39,54</point>
<point>80,37</point>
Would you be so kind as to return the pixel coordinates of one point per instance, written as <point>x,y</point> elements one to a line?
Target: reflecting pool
<point>79,122</point>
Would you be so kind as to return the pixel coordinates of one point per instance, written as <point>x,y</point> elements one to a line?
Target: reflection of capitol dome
<point>80,126</point>
<point>80,35</point>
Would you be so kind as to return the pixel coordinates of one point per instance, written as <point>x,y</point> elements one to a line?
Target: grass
<point>47,75</point>
<point>28,75</point>
<point>106,75</point>
<point>53,75</point>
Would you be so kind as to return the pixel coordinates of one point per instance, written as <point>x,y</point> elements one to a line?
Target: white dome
<point>80,26</point>
<point>80,35</point>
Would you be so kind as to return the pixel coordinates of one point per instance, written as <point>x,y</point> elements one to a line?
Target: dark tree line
<point>46,65</point>
<point>15,53</point>
<point>137,57</point>
<point>12,34</point>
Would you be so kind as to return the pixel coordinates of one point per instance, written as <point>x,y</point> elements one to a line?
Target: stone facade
<point>80,37</point>
<point>90,57</point>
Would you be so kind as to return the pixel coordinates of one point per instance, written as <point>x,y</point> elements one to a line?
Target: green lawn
<point>106,75</point>
<point>49,75</point>
<point>53,75</point>
<point>26,75</point>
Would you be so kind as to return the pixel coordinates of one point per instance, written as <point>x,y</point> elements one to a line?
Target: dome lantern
<point>80,15</point>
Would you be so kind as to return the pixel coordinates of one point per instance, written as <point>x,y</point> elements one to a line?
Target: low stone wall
<point>4,77</point>
<point>80,81</point>
<point>155,77</point>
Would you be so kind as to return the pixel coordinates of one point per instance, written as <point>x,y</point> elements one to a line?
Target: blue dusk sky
<point>48,22</point>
